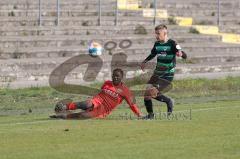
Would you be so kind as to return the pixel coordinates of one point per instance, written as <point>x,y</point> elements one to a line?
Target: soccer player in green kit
<point>166,51</point>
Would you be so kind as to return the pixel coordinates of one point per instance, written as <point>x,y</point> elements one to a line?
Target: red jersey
<point>110,97</point>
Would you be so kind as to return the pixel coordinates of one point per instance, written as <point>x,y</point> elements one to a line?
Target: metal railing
<point>99,12</point>
<point>58,12</point>
<point>218,13</point>
<point>154,7</point>
<point>40,12</point>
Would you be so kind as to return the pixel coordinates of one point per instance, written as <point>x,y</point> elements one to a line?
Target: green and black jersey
<point>166,58</point>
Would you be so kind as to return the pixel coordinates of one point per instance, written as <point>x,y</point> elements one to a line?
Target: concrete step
<point>202,20</point>
<point>32,4</point>
<point>213,58</point>
<point>40,69</point>
<point>200,5</point>
<point>83,40</point>
<point>79,21</point>
<point>46,52</point>
<point>226,16</point>
<point>81,4</point>
<point>210,75</point>
<point>203,12</point>
<point>111,12</point>
<point>35,64</point>
<point>37,71</point>
<point>68,13</point>
<point>208,68</point>
<point>136,49</point>
<point>73,4</point>
<point>42,83</point>
<point>230,29</point>
<point>193,57</point>
<point>212,48</point>
<point>86,30</point>
<point>106,21</point>
<point>53,2</point>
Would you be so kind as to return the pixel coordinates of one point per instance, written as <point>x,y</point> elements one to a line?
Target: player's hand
<point>184,55</point>
<point>143,64</point>
<point>179,54</point>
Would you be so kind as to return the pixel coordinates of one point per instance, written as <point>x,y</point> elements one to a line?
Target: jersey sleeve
<point>178,50</point>
<point>176,47</point>
<point>130,99</point>
<point>152,55</point>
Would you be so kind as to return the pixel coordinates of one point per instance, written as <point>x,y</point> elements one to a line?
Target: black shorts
<point>162,84</point>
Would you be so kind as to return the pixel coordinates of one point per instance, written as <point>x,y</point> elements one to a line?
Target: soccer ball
<point>95,49</point>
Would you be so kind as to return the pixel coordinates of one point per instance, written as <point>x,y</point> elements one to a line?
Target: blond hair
<point>160,27</point>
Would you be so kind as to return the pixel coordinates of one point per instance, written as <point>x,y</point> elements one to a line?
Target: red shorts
<point>98,110</point>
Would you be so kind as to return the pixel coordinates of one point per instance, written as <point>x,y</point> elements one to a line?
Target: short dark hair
<point>118,70</point>
<point>161,26</point>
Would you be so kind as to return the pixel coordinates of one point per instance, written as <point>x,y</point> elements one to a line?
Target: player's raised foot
<point>61,106</point>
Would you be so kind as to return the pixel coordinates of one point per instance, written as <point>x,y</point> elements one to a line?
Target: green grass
<point>213,131</point>
<point>210,134</point>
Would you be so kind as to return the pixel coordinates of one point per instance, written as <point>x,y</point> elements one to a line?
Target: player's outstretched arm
<point>150,57</point>
<point>136,110</point>
<point>131,102</point>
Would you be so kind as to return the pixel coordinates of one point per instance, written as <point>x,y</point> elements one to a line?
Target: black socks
<point>148,105</point>
<point>167,100</point>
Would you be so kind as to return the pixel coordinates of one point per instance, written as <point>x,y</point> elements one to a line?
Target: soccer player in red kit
<point>111,95</point>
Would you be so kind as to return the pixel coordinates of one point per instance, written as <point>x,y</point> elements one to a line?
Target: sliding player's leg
<point>84,105</point>
<point>97,111</point>
<point>68,112</point>
<point>72,115</point>
<point>66,105</point>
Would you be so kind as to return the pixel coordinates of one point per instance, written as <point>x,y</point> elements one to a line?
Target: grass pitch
<point>212,132</point>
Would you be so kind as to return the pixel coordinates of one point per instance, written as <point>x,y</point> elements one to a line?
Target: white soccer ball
<point>95,49</point>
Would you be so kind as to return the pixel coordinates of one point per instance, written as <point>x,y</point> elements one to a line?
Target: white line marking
<point>23,123</point>
<point>206,109</point>
<point>45,121</point>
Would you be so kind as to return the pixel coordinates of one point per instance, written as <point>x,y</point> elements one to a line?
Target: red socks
<point>71,106</point>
